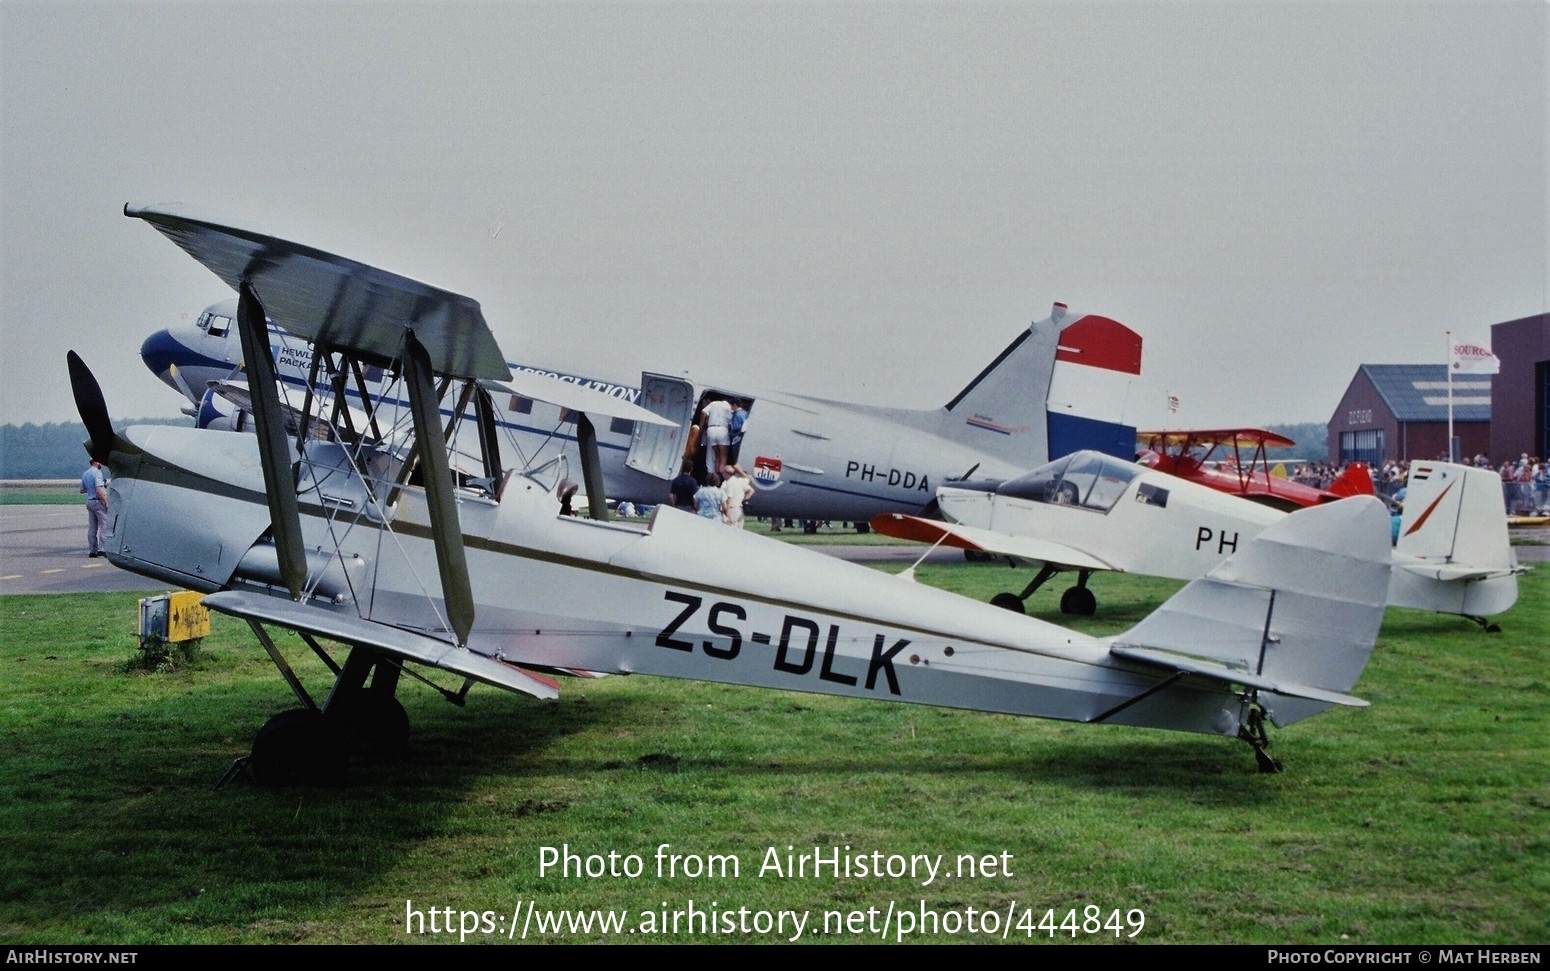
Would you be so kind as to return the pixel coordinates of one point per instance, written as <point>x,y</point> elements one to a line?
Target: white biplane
<point>366,536</point>
<point>1090,512</point>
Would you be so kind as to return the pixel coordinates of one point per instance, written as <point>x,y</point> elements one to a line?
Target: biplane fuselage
<point>681,596</point>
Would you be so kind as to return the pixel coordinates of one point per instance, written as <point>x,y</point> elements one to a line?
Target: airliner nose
<point>161,350</point>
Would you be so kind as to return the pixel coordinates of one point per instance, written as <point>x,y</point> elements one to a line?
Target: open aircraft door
<point>658,450</point>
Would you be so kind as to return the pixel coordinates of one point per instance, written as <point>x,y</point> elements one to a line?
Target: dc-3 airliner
<point>1062,385</point>
<point>1089,512</point>
<point>364,536</point>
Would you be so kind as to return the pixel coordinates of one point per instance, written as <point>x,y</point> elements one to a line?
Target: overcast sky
<point>864,201</point>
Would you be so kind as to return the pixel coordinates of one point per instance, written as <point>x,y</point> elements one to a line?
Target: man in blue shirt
<point>95,488</point>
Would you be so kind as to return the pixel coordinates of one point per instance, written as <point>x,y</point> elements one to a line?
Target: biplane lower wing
<point>403,644</point>
<point>972,538</point>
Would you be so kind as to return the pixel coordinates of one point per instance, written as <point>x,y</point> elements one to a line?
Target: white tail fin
<point>1452,553</point>
<point>1293,615</point>
<point>1061,386</point>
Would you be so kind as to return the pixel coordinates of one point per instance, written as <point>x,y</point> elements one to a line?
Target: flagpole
<point>1448,359</point>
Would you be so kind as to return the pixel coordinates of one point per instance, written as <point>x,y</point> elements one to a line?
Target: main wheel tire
<point>297,748</point>
<point>1008,601</point>
<point>378,725</point>
<point>1078,602</point>
<point>977,556</point>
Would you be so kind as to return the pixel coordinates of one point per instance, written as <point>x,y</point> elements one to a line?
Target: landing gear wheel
<point>378,725</point>
<point>1079,602</point>
<point>297,748</point>
<point>863,528</point>
<point>977,556</point>
<point>1008,601</point>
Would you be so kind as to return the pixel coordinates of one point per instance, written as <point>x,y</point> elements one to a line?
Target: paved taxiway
<point>43,550</point>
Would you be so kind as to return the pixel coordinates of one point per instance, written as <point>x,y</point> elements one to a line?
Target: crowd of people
<point>1525,480</point>
<point>1525,484</point>
<point>1321,475</point>
<point>724,489</point>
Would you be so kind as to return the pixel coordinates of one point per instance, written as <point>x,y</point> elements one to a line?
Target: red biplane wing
<point>1233,437</point>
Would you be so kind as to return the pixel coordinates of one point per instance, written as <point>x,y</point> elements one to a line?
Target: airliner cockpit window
<point>218,325</point>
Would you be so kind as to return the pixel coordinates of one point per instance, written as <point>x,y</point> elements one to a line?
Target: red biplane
<point>1233,460</point>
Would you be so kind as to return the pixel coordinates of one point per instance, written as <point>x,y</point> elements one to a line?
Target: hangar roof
<point>1419,392</point>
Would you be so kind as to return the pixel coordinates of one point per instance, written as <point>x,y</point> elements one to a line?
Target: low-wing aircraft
<point>1089,512</point>
<point>1060,386</point>
<point>366,537</point>
<point>1233,460</point>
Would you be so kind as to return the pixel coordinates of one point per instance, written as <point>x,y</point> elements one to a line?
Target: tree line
<point>53,450</point>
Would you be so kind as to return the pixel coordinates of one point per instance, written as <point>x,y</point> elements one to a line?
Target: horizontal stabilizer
<point>338,302</point>
<point>1454,572</point>
<point>575,397</point>
<point>1228,675</point>
<point>396,641</point>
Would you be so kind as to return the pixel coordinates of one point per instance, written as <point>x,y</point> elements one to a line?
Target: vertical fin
<point>1301,603</point>
<point>1062,385</point>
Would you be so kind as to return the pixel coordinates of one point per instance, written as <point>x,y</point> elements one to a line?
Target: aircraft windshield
<point>1087,479</point>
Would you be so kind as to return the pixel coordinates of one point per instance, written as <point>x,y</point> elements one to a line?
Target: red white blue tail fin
<point>1061,386</point>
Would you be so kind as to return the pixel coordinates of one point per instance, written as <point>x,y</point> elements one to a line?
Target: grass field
<point>1423,819</point>
<point>39,495</point>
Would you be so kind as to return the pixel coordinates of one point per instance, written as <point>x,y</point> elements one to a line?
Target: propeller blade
<point>91,406</point>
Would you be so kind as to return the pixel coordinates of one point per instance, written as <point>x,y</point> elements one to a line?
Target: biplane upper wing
<point>337,302</point>
<point>1239,437</point>
<point>958,536</point>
